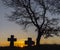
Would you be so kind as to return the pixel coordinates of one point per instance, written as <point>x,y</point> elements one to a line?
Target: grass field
<point>41,47</point>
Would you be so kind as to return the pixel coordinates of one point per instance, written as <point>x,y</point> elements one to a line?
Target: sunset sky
<point>8,28</point>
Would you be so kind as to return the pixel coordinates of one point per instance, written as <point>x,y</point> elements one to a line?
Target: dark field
<point>41,47</point>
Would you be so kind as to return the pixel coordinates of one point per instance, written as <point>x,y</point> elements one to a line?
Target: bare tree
<point>34,12</point>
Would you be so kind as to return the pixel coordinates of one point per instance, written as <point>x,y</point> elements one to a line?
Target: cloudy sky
<point>8,28</point>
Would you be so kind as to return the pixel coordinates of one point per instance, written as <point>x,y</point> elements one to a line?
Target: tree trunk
<point>38,38</point>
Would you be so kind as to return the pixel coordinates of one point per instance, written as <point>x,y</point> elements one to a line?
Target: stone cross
<point>12,39</point>
<point>29,42</point>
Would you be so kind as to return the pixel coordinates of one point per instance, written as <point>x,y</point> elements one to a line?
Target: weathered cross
<point>29,42</point>
<point>12,39</point>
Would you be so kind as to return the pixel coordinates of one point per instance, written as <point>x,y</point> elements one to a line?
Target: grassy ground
<point>41,47</point>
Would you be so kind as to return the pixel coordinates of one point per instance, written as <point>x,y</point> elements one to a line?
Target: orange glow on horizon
<point>21,43</point>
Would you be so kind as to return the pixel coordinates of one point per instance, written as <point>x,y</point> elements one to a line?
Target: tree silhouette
<point>34,12</point>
